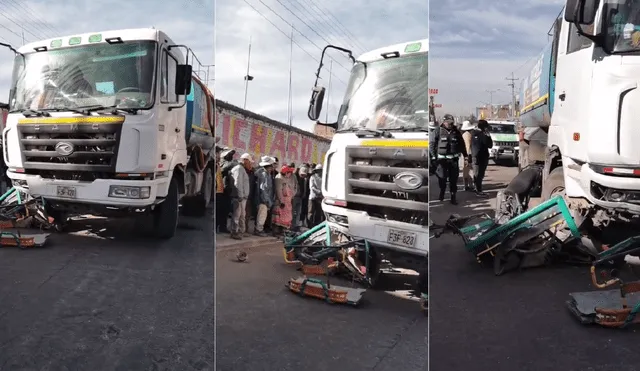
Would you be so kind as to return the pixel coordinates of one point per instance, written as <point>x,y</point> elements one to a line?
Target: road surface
<point>99,300</point>
<point>518,321</point>
<point>260,325</point>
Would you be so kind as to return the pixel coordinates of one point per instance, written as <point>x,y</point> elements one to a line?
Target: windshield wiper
<point>409,128</point>
<point>364,132</point>
<point>114,109</point>
<point>31,112</point>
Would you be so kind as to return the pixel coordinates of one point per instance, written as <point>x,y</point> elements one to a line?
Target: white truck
<point>375,178</point>
<point>580,96</point>
<point>111,123</point>
<point>505,142</point>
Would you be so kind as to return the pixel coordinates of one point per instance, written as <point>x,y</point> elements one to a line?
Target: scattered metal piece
<point>616,308</point>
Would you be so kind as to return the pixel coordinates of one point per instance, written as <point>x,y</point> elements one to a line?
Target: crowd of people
<point>450,147</point>
<point>265,195</point>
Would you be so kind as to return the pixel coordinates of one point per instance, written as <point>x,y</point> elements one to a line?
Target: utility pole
<point>512,84</point>
<point>326,119</point>
<point>247,77</point>
<point>290,103</point>
<point>491,102</point>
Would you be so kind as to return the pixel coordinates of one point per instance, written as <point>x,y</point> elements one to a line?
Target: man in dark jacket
<point>446,147</point>
<point>303,184</point>
<point>296,203</point>
<point>223,200</point>
<point>480,144</point>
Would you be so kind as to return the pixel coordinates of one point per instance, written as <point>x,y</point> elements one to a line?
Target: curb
<point>247,243</point>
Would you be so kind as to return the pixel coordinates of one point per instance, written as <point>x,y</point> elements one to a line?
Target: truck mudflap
<point>544,235</point>
<point>617,308</point>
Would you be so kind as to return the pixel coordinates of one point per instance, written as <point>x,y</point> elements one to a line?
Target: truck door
<point>572,91</point>
<point>172,130</point>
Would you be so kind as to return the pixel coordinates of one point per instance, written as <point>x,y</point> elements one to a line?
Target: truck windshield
<point>387,94</point>
<point>102,74</point>
<point>622,25</point>
<point>502,128</point>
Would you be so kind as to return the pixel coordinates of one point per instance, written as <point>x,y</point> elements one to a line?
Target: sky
<point>476,44</point>
<point>188,22</point>
<point>359,25</point>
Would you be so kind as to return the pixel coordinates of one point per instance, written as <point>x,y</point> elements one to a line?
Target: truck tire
<point>554,184</point>
<point>197,205</point>
<point>165,215</point>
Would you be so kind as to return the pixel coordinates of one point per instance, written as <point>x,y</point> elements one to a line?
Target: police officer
<point>447,148</point>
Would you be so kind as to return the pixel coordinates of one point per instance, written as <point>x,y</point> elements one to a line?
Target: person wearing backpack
<point>480,144</point>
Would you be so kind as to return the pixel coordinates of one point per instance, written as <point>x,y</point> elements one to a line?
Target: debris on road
<point>545,234</point>
<point>241,256</point>
<point>322,251</point>
<point>424,303</point>
<point>610,308</point>
<point>19,210</point>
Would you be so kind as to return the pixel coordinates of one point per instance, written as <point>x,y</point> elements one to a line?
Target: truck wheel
<point>165,215</point>
<point>554,184</point>
<point>197,206</point>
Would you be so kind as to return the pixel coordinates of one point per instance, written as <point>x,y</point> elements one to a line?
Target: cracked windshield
<point>107,75</point>
<point>387,94</point>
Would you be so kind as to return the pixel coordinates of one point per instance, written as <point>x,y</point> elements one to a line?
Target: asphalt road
<point>99,300</point>
<point>518,321</point>
<point>261,325</point>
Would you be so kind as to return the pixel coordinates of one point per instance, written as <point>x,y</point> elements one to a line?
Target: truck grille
<point>77,147</point>
<point>506,144</point>
<point>371,187</point>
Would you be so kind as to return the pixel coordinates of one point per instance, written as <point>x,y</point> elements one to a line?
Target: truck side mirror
<point>315,105</point>
<point>582,12</point>
<point>183,79</point>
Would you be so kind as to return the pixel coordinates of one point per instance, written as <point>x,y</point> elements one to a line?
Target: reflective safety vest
<point>448,144</point>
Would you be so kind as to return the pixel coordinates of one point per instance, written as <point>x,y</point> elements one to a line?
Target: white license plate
<point>67,192</point>
<point>508,151</point>
<point>401,238</point>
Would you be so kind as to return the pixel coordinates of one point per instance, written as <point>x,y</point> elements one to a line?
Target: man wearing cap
<point>264,196</point>
<point>467,133</point>
<point>223,200</point>
<point>447,148</point>
<point>315,197</point>
<point>242,188</point>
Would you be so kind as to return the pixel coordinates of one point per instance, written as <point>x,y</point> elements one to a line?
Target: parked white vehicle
<point>505,142</point>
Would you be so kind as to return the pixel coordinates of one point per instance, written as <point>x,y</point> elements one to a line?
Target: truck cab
<point>582,92</point>
<point>97,125</point>
<point>376,170</point>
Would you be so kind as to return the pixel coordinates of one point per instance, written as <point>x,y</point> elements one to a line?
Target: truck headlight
<point>129,192</point>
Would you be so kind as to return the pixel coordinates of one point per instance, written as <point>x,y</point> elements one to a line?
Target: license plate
<point>68,192</point>
<point>508,151</point>
<point>401,238</point>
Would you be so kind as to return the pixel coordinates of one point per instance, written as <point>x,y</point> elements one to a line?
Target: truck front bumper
<point>504,153</point>
<point>606,191</point>
<point>376,231</point>
<point>94,192</point>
